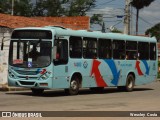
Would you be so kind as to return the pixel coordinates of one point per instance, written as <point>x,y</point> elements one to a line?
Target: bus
<point>42,58</point>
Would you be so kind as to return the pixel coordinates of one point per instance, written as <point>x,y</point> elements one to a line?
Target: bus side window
<point>152,51</point>
<point>62,52</point>
<point>131,50</point>
<point>119,49</point>
<point>143,50</point>
<point>75,47</point>
<point>90,48</point>
<point>104,49</point>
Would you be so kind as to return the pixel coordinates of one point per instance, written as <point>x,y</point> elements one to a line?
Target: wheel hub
<point>74,85</point>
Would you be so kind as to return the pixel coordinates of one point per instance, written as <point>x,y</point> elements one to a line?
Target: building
<point>8,23</point>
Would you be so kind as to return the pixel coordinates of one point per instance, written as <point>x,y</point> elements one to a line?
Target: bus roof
<point>60,31</point>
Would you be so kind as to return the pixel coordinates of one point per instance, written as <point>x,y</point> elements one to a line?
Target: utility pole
<point>12,12</point>
<point>127,17</point>
<point>103,28</point>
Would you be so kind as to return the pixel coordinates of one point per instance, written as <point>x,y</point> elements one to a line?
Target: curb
<point>5,87</point>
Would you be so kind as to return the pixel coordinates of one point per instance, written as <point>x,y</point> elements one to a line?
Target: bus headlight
<point>44,76</point>
<point>11,74</point>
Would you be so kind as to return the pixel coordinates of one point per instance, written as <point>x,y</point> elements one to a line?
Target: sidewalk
<point>5,87</point>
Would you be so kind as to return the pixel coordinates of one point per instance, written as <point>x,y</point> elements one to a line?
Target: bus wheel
<point>74,86</point>
<point>130,83</point>
<point>37,91</point>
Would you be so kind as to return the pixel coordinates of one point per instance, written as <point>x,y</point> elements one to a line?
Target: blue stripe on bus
<point>146,66</point>
<point>114,71</point>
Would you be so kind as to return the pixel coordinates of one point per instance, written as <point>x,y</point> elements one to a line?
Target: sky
<point>149,16</point>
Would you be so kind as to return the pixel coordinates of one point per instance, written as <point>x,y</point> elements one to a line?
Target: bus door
<point>153,61</point>
<point>60,79</point>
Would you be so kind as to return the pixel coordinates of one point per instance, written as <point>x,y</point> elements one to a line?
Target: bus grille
<point>27,72</point>
<point>26,83</point>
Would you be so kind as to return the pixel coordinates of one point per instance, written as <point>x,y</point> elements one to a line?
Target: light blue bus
<point>49,57</point>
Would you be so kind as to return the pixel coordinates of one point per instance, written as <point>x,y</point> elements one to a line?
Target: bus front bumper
<point>32,83</point>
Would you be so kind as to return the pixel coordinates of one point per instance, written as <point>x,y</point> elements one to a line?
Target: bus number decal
<point>77,64</point>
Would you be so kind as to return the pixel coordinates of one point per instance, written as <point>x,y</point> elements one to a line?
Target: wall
<point>4,58</point>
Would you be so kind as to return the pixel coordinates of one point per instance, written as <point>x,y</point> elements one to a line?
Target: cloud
<point>151,14</point>
<point>107,11</point>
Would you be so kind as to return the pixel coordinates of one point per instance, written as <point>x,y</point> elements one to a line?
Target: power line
<point>151,16</point>
<point>105,2</point>
<point>143,19</point>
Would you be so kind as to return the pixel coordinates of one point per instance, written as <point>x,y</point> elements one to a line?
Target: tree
<point>97,19</point>
<point>154,31</point>
<point>79,7</point>
<point>54,8</point>
<point>139,4</point>
<point>5,6</point>
<point>49,8</point>
<point>21,7</point>
<point>116,31</point>
<point>39,8</point>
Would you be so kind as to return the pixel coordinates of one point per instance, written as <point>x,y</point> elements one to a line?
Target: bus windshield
<point>30,53</point>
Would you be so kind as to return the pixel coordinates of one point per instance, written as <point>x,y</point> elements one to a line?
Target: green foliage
<point>49,8</point>
<point>79,7</point>
<point>116,31</point>
<point>21,7</point>
<point>97,19</point>
<point>139,4</point>
<point>158,63</point>
<point>54,8</point>
<point>39,8</point>
<point>5,6</point>
<point>154,31</point>
<point>158,76</point>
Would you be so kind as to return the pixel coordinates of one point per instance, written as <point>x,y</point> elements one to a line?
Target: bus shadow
<point>61,93</point>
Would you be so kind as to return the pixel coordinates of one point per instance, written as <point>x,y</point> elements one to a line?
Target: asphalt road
<point>143,98</point>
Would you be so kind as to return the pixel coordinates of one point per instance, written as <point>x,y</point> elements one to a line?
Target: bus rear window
<point>31,34</point>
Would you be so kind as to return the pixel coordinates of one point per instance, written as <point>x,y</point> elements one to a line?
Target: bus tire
<point>74,86</point>
<point>130,82</point>
<point>37,91</point>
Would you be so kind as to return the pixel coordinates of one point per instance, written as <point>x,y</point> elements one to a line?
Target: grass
<point>158,75</point>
